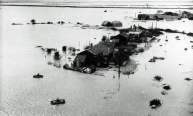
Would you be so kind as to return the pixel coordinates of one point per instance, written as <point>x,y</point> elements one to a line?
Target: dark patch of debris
<point>155,103</point>
<point>164,92</point>
<point>158,78</point>
<point>166,87</point>
<point>188,79</point>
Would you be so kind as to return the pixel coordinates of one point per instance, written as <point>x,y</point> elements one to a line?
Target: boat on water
<point>57,101</point>
<point>38,76</point>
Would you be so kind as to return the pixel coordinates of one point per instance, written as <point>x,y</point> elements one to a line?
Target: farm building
<point>116,24</point>
<point>107,24</point>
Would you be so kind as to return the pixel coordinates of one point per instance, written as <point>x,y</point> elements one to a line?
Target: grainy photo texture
<point>96,57</point>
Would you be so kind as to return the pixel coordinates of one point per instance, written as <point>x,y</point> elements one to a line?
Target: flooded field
<point>85,94</point>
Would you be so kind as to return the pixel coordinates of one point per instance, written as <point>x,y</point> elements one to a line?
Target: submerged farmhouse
<point>99,55</point>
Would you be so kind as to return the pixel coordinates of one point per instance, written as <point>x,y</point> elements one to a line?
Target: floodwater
<point>86,94</point>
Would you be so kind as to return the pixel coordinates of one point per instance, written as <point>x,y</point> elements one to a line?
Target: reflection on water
<point>86,94</point>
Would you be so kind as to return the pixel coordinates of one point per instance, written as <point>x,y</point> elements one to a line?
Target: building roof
<point>116,24</point>
<point>80,58</point>
<point>120,36</point>
<point>135,32</point>
<point>106,23</point>
<point>94,51</point>
<point>103,47</point>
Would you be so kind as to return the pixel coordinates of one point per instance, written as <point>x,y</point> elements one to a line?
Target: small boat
<point>57,101</point>
<point>38,76</point>
<point>185,48</point>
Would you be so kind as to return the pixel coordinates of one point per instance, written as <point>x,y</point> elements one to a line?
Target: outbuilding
<point>120,39</point>
<point>116,24</point>
<point>86,58</point>
<point>107,23</point>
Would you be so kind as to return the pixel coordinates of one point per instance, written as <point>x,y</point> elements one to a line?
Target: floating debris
<point>128,72</point>
<point>17,24</point>
<point>77,49</point>
<point>160,58</point>
<point>49,63</point>
<point>164,92</point>
<point>166,87</point>
<point>38,76</point>
<point>57,101</point>
<point>188,79</point>
<point>166,40</point>
<point>158,78</point>
<point>49,50</point>
<point>151,60</point>
<point>38,46</point>
<point>160,45</point>
<point>155,103</point>
<point>107,97</point>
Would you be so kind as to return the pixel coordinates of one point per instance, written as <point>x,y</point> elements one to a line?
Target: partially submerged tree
<point>33,21</point>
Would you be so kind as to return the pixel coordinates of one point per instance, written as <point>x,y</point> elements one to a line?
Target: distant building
<point>184,14</point>
<point>112,24</point>
<point>120,39</point>
<point>86,58</point>
<point>116,24</point>
<point>107,24</point>
<point>98,55</point>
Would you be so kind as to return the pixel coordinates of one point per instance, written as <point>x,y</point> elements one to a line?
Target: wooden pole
<point>156,23</point>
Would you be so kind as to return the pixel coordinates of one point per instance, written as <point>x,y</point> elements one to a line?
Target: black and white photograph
<point>96,57</point>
